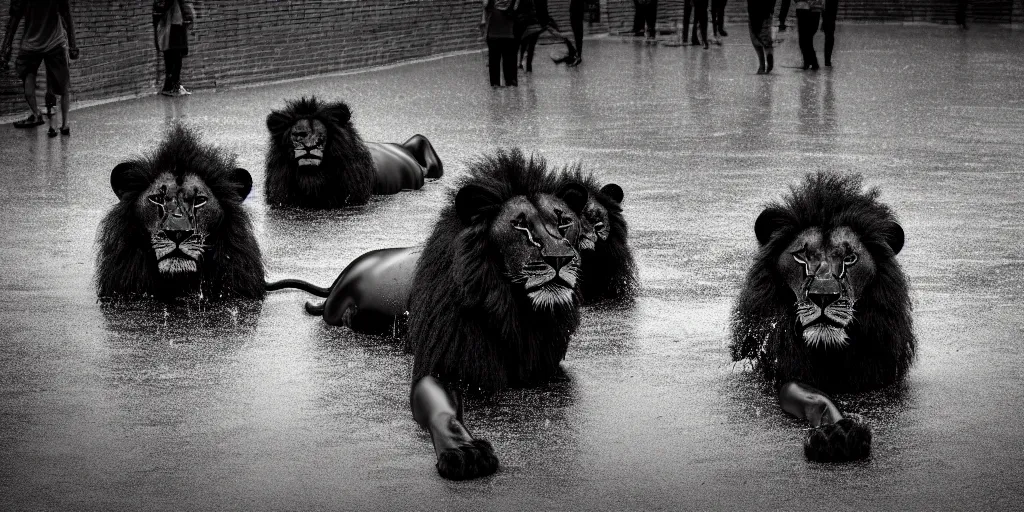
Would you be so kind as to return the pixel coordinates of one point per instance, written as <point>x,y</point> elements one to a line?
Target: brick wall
<point>244,41</point>
<point>247,41</point>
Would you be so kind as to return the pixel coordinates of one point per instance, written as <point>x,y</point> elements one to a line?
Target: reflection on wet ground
<point>259,406</point>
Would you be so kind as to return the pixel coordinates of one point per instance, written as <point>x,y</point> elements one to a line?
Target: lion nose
<point>178,235</point>
<point>557,262</point>
<point>822,299</point>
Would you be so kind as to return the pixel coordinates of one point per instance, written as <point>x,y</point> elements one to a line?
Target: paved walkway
<point>262,407</point>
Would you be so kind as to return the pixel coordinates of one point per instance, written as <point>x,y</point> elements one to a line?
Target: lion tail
<point>315,309</point>
<point>297,283</point>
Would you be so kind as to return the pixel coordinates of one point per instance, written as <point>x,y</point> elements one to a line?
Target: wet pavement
<point>261,407</point>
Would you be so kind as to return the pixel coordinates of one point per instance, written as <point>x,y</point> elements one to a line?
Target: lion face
<point>594,221</point>
<point>594,225</point>
<point>827,271</point>
<point>179,214</point>
<point>533,236</point>
<point>308,137</point>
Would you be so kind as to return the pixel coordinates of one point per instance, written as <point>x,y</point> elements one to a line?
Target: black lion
<point>826,306</point>
<point>316,159</point>
<point>494,299</point>
<point>179,228</point>
<point>609,271</point>
<point>490,300</point>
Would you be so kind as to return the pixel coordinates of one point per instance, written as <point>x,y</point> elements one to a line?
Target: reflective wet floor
<point>258,406</point>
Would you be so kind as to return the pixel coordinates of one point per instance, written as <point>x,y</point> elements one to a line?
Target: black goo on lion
<point>179,228</point>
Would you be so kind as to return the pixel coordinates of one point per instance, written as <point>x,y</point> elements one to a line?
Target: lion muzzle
<point>309,155</point>
<point>824,312</point>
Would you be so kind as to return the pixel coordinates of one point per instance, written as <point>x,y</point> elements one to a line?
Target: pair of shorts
<point>58,75</point>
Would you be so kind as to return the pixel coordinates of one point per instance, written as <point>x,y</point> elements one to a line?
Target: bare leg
<point>459,455</point>
<point>30,93</point>
<point>65,106</point>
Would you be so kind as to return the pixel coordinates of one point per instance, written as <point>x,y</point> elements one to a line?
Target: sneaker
<point>182,91</point>
<point>30,122</point>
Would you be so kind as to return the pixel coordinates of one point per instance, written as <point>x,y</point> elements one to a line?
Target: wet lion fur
<point>466,323</point>
<point>609,271</point>
<point>346,175</point>
<point>764,322</point>
<point>232,266</point>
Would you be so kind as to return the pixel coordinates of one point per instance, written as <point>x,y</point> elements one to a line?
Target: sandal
<point>29,122</point>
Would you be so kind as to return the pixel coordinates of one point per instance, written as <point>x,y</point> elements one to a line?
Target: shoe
<point>705,44</point>
<point>721,32</point>
<point>168,93</point>
<point>182,91</point>
<point>30,122</point>
<point>576,62</point>
<point>65,130</point>
<point>769,59</point>
<point>51,132</point>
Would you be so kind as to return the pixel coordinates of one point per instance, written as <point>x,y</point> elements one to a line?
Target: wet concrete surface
<point>258,406</point>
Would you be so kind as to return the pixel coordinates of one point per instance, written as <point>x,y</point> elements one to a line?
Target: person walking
<point>808,16</point>
<point>828,26</point>
<point>171,21</point>
<point>700,22</point>
<point>501,41</point>
<point>961,14</point>
<point>783,13</point>
<point>645,14</point>
<point>759,16</point>
<point>48,29</point>
<point>718,18</point>
<point>699,8</point>
<point>576,11</point>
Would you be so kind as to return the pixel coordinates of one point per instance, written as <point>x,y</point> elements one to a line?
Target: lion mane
<point>347,173</point>
<point>764,321</point>
<point>232,265</point>
<point>466,324</point>
<point>609,271</point>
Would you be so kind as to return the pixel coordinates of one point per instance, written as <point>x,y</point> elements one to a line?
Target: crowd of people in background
<point>512,29</point>
<point>48,38</point>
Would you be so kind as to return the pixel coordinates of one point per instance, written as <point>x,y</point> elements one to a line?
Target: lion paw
<point>845,440</point>
<point>474,460</point>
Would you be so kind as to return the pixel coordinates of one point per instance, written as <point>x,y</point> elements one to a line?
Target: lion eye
<point>157,199</point>
<point>200,201</point>
<point>564,223</point>
<point>850,259</point>
<point>520,223</point>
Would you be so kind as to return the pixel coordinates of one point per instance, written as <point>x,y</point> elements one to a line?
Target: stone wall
<point>236,42</point>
